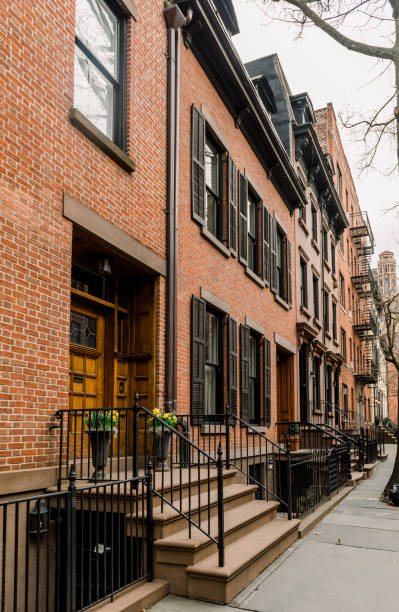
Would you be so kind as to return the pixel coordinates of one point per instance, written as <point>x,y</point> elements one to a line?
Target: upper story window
<point>99,65</point>
<point>252,234</point>
<point>343,343</point>
<point>213,182</point>
<point>254,379</point>
<point>334,320</point>
<point>342,290</point>
<point>333,258</point>
<point>325,244</point>
<point>304,284</point>
<point>326,313</point>
<point>315,297</point>
<point>314,223</point>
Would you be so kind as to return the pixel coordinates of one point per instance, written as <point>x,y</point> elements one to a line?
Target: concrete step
<point>136,598</point>
<point>368,469</point>
<point>355,478</point>
<point>245,558</point>
<point>174,553</point>
<point>169,521</point>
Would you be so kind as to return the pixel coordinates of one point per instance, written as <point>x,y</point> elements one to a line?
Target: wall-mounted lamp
<point>38,519</point>
<point>104,265</point>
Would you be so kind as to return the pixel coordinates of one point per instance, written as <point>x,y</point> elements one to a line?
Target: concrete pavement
<point>349,562</point>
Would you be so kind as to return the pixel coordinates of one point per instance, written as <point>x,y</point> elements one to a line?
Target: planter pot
<point>161,448</point>
<point>100,441</point>
<point>294,443</point>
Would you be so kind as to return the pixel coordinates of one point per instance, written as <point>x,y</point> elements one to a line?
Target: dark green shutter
<point>233,365</point>
<point>198,337</point>
<point>267,394</point>
<point>232,206</point>
<point>289,273</point>
<point>273,254</point>
<point>197,165</point>
<point>244,372</point>
<point>266,246</point>
<point>243,218</point>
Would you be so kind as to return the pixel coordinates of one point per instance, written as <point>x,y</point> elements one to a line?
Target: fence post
<point>219,465</point>
<point>71,542</point>
<point>361,450</point>
<point>289,481</point>
<point>228,437</point>
<point>136,436</point>
<point>149,524</point>
<point>367,447</point>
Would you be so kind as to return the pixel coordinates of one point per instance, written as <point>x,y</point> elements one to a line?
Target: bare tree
<point>375,18</point>
<point>390,346</point>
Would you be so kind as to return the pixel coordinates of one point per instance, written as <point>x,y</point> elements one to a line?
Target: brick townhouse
<point>174,231</point>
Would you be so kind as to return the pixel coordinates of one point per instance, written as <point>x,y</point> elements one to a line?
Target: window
<point>333,258</point>
<point>280,264</point>
<point>213,158</point>
<point>304,284</point>
<point>302,213</point>
<point>342,290</point>
<point>349,298</point>
<point>350,350</point>
<point>254,382</point>
<point>326,310</point>
<point>339,181</point>
<point>252,234</point>
<point>314,223</point>
<point>316,383</point>
<point>334,320</point>
<point>341,244</point>
<point>99,65</point>
<point>325,244</point>
<point>343,343</point>
<point>315,297</point>
<point>345,400</point>
<point>213,363</point>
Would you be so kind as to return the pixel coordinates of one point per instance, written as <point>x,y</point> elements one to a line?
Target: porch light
<point>104,266</point>
<point>38,519</point>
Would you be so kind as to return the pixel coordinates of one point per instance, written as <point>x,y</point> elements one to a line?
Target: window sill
<point>335,342</point>
<point>316,323</point>
<point>213,430</point>
<point>334,278</point>
<point>282,302</point>
<point>100,140</point>
<point>255,429</point>
<point>315,245</point>
<point>302,224</point>
<point>328,335</point>
<point>215,242</point>
<point>343,309</point>
<point>327,265</point>
<point>254,277</point>
<point>305,312</point>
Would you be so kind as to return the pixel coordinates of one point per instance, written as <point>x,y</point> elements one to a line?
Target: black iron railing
<point>185,476</point>
<point>320,463</point>
<point>69,550</point>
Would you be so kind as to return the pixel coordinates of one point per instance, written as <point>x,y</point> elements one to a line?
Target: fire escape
<point>365,319</point>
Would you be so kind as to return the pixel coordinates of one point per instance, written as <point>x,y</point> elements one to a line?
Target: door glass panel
<point>83,330</point>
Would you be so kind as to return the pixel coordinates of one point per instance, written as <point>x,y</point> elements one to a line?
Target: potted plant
<point>161,436</point>
<point>294,434</point>
<point>100,424</point>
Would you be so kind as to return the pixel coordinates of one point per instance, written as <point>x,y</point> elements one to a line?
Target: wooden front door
<point>86,370</point>
<point>285,385</point>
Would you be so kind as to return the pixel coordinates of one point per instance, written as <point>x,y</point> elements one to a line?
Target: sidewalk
<point>349,562</point>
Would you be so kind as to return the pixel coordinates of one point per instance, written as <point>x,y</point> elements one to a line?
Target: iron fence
<point>68,550</point>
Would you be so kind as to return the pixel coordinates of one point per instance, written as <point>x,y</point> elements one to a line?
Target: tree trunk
<point>394,479</point>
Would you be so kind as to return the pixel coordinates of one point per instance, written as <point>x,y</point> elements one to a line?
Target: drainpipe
<point>174,20</point>
<point>322,208</point>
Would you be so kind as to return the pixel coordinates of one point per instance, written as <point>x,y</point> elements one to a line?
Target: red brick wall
<point>200,263</point>
<point>41,156</point>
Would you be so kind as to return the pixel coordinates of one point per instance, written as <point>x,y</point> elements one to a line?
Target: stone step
<point>355,478</point>
<point>170,520</point>
<point>174,553</point>
<point>245,558</point>
<point>136,598</point>
<point>368,469</point>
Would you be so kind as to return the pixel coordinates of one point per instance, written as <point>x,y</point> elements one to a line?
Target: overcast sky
<point>330,73</point>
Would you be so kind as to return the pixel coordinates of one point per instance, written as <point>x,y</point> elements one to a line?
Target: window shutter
<point>266,246</point>
<point>244,372</point>
<point>232,206</point>
<point>289,274</point>
<point>198,166</point>
<point>198,337</point>
<point>273,253</point>
<point>267,394</point>
<point>243,218</point>
<point>233,357</point>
